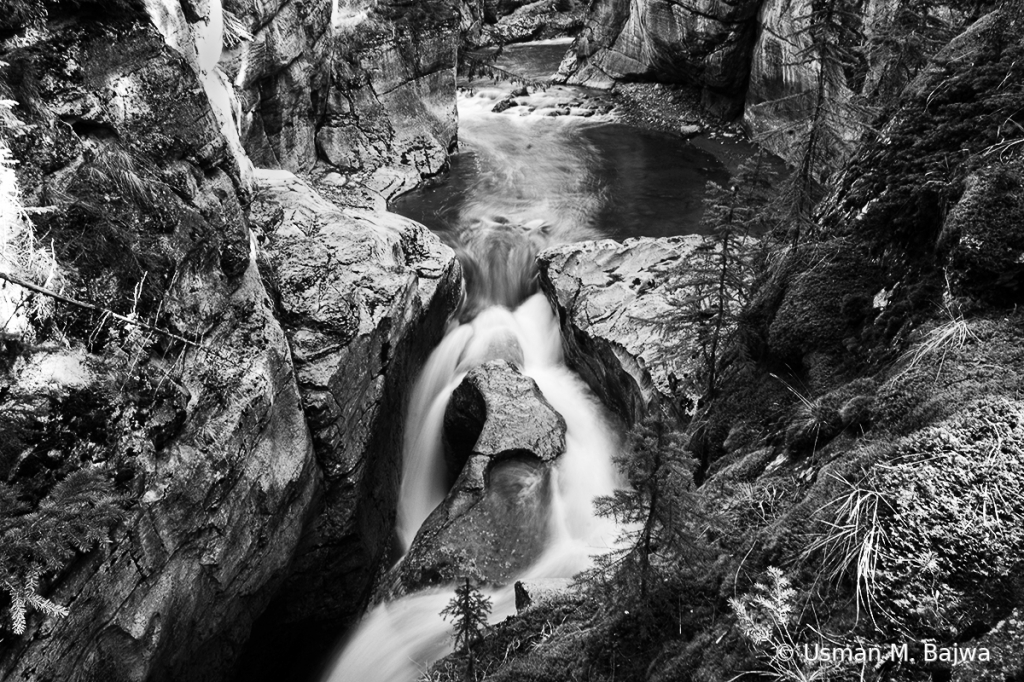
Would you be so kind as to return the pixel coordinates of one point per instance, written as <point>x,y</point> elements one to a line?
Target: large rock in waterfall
<point>504,437</point>
<point>612,299</point>
<point>206,441</point>
<point>707,43</point>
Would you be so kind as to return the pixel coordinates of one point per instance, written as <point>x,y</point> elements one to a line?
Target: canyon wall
<point>756,58</point>
<point>255,440</point>
<point>707,43</point>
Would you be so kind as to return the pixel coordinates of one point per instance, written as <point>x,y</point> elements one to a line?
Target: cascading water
<point>396,640</point>
<point>533,190</point>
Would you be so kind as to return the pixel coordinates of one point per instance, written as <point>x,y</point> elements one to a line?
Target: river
<point>522,181</point>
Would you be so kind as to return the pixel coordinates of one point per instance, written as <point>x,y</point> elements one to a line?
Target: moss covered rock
<point>983,237</point>
<point>828,298</point>
<point>952,523</point>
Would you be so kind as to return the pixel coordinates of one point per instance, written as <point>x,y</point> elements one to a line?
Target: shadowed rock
<point>493,523</point>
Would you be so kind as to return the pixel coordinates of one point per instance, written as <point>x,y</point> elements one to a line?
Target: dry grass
<point>850,546</point>
<point>937,343</point>
<point>114,166</point>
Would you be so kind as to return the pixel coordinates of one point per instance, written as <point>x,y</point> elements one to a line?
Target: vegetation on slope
<point>863,448</point>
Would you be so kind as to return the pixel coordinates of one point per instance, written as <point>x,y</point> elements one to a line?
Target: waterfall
<point>397,640</point>
<point>534,190</point>
<point>202,44</point>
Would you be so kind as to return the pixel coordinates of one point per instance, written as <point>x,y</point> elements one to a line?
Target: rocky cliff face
<point>209,444</point>
<point>363,297</point>
<point>757,57</point>
<point>707,43</point>
<point>354,86</point>
<point>612,299</point>
<point>269,455</point>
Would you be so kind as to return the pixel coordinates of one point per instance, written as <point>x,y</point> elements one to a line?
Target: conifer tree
<point>657,511</point>
<point>834,36</point>
<point>75,516</point>
<point>716,283</point>
<point>468,611</point>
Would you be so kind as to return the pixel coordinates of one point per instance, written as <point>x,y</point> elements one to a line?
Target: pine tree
<point>834,36</point>
<point>468,611</point>
<point>75,516</point>
<point>657,512</point>
<point>715,286</point>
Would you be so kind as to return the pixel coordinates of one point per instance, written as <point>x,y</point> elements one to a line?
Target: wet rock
<point>612,298</point>
<point>504,105</point>
<point>363,297</point>
<point>493,522</point>
<point>691,130</point>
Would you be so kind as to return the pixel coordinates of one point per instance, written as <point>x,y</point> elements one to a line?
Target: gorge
<point>294,419</point>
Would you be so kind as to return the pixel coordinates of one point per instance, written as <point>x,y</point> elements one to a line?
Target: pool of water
<point>583,177</point>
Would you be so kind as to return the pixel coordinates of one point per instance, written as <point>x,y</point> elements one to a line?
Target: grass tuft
<point>850,547</point>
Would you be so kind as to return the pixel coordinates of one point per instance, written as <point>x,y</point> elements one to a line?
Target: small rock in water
<point>504,104</point>
<point>520,92</point>
<point>579,111</point>
<point>690,130</point>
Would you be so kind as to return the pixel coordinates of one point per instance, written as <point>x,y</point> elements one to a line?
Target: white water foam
<point>395,642</point>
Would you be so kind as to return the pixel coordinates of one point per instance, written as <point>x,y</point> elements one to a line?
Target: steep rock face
<point>493,522</point>
<point>704,42</point>
<point>358,88</point>
<point>611,300</point>
<point>516,22</point>
<point>115,132</point>
<point>278,62</point>
<point>363,297</point>
<point>784,73</point>
<point>390,113</point>
<point>883,44</point>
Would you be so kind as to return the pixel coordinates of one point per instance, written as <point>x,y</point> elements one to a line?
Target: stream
<point>523,180</point>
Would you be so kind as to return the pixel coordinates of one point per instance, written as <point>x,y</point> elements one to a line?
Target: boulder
<point>611,298</point>
<point>493,523</point>
<point>983,237</point>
